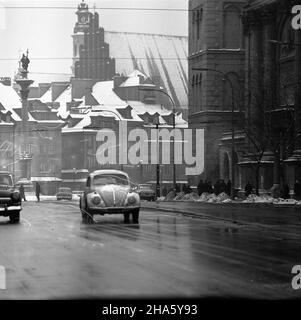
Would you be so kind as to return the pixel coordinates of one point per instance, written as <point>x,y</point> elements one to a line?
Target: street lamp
<point>173,126</point>
<point>226,77</point>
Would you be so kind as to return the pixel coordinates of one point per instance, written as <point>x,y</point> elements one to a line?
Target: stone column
<point>26,157</point>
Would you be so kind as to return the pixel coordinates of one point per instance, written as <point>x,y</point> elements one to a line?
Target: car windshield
<point>64,190</point>
<point>103,179</point>
<point>6,180</point>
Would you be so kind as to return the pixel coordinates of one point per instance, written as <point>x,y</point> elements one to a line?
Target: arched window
<point>232,28</point>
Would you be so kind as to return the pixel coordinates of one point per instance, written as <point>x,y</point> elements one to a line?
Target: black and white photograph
<point>150,149</point>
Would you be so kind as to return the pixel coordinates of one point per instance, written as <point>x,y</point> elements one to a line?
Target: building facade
<point>250,50</point>
<point>216,80</point>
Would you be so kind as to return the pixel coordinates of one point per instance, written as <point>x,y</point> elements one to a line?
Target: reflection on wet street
<point>52,254</point>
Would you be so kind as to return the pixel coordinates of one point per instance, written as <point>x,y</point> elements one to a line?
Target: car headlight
<point>16,196</point>
<point>96,200</point>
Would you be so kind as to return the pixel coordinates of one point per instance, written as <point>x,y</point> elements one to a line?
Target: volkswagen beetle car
<point>109,192</point>
<point>10,198</point>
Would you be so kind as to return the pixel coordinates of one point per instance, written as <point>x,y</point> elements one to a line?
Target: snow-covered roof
<point>63,99</point>
<point>47,96</point>
<point>103,92</point>
<point>9,98</point>
<point>133,79</point>
<point>162,56</point>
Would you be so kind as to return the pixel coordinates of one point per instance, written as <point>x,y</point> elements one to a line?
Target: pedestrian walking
<point>248,189</point>
<point>22,192</point>
<point>38,191</point>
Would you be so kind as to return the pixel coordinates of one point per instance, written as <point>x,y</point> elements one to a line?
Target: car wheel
<point>135,215</point>
<point>87,217</point>
<point>14,217</point>
<point>126,217</point>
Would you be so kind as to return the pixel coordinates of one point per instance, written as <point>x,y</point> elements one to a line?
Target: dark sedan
<point>146,192</point>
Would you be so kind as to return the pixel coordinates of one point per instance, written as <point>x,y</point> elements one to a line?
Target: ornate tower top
<point>83,6</point>
<point>83,17</point>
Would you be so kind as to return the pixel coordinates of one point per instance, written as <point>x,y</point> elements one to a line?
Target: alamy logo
<point>2,278</point>
<point>296,22</point>
<point>136,146</point>
<point>296,281</point>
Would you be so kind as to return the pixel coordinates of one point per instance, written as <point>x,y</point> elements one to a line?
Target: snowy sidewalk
<point>32,197</point>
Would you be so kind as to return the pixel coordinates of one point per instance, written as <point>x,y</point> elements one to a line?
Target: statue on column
<point>23,65</point>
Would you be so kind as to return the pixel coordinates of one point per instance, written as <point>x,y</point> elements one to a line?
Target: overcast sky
<point>47,32</point>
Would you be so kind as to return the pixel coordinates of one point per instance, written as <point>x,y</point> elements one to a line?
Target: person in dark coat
<point>164,191</point>
<point>38,191</point>
<point>248,189</point>
<point>222,186</point>
<point>201,187</point>
<point>286,191</point>
<point>209,187</point>
<point>297,190</point>
<point>22,192</point>
<point>228,187</point>
<point>216,188</point>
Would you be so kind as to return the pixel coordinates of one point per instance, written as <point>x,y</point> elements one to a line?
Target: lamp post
<point>173,126</point>
<point>232,123</point>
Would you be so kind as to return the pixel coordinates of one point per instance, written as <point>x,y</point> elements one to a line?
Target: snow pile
<point>205,196</point>
<point>179,196</point>
<point>193,196</point>
<point>281,201</point>
<point>221,198</point>
<point>253,198</point>
<point>161,199</point>
<point>170,196</point>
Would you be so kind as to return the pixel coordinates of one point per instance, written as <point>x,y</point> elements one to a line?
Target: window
<point>232,28</point>
<point>196,21</point>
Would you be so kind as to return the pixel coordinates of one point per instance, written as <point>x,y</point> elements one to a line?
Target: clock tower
<point>84,18</point>
<point>91,54</point>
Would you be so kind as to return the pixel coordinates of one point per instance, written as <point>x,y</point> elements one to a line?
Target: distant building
<point>44,139</point>
<point>103,108</point>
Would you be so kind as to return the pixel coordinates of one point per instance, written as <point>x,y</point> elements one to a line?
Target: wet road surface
<point>52,254</point>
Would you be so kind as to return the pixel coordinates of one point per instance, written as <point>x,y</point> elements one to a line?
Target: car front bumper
<point>113,210</point>
<point>10,208</point>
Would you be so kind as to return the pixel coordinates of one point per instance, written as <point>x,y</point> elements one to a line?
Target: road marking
<point>2,278</point>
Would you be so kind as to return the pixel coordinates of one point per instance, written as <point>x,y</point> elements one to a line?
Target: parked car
<point>64,193</point>
<point>10,198</point>
<point>146,192</point>
<point>109,192</point>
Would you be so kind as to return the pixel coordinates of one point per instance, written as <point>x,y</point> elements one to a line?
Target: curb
<point>193,214</point>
